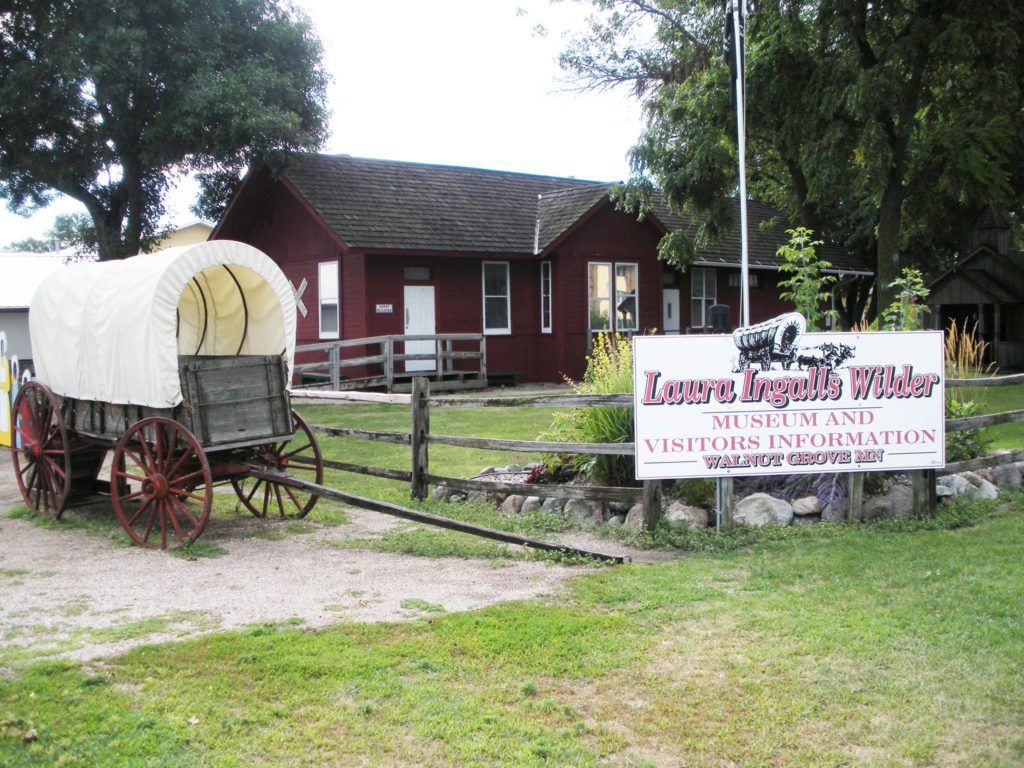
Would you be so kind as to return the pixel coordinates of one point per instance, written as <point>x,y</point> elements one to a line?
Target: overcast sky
<point>457,82</point>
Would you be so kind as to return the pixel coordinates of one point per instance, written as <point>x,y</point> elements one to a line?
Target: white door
<point>419,319</point>
<point>670,310</point>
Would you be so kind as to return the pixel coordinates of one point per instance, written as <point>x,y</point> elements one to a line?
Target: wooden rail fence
<point>420,438</point>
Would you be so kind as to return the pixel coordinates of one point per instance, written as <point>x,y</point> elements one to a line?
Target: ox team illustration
<point>774,399</point>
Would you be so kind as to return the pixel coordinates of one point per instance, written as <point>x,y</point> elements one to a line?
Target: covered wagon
<point>179,361</point>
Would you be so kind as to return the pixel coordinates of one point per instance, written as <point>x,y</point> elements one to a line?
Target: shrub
<point>609,371</point>
<point>965,443</point>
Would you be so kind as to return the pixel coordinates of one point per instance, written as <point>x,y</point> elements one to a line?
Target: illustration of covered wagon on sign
<point>180,362</point>
<point>773,341</point>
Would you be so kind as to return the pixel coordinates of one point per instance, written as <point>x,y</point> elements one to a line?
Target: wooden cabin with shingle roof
<point>536,263</point>
<point>985,291</point>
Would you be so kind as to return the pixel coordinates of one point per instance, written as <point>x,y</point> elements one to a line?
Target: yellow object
<point>5,393</point>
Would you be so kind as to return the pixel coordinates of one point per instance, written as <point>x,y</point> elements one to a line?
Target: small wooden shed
<point>986,287</point>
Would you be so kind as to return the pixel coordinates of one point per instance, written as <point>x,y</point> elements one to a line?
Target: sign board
<point>385,309</point>
<point>716,406</point>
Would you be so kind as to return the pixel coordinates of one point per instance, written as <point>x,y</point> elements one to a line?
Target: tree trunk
<point>890,218</point>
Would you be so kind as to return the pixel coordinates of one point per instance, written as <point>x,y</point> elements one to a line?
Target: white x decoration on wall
<point>298,296</point>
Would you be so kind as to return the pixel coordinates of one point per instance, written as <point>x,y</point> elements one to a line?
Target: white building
<point>20,273</point>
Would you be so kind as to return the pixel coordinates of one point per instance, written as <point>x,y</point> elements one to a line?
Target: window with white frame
<point>327,291</point>
<point>599,292</point>
<point>625,297</point>
<point>545,297</point>
<point>612,296</point>
<point>703,290</point>
<point>497,301</point>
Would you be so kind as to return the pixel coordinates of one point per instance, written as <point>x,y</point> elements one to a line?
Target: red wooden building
<point>536,263</point>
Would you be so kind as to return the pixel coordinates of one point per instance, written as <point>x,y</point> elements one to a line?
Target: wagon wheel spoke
<point>300,452</point>
<point>149,526</point>
<point>266,498</point>
<point>291,494</point>
<point>255,487</point>
<point>297,450</point>
<point>164,485</point>
<point>184,511</point>
<point>138,513</point>
<point>175,523</point>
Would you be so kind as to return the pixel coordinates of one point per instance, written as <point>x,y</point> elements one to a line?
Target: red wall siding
<point>608,236</point>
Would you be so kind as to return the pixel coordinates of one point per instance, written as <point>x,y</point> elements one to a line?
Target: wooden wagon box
<point>230,402</point>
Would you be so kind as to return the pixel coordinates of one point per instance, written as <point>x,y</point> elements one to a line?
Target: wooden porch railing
<point>450,369</point>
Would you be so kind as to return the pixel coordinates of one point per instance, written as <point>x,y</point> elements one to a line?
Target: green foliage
<point>69,230</point>
<point>965,443</point>
<point>887,126</point>
<point>609,371</point>
<point>807,285</point>
<point>906,313</point>
<point>698,492</point>
<point>107,102</point>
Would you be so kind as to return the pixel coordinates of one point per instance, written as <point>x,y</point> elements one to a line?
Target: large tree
<point>106,101</point>
<point>882,125</point>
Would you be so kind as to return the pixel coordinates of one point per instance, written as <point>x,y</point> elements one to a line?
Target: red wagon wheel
<point>299,456</point>
<point>43,462</point>
<point>161,484</point>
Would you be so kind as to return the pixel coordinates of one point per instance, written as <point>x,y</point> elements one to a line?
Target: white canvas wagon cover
<point>112,331</point>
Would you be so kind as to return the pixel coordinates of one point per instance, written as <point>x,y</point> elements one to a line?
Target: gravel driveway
<point>73,594</point>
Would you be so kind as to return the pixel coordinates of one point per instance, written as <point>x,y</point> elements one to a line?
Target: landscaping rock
<point>456,497</point>
<point>760,509</point>
<point>584,512</point>
<point>808,505</point>
<point>834,513</point>
<point>1007,477</point>
<point>552,505</point>
<point>898,501</point>
<point>978,488</point>
<point>512,504</point>
<point>531,504</point>
<point>440,492</point>
<point>679,516</point>
<point>616,520</point>
<point>475,495</point>
<point>957,483</point>
<point>635,517</point>
<point>619,507</point>
<point>944,492</point>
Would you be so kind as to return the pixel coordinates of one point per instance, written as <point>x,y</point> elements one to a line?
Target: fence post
<point>335,358</point>
<point>855,498</point>
<point>387,348</point>
<point>652,504</point>
<point>420,430</point>
<point>483,358</point>
<point>723,502</point>
<point>924,493</point>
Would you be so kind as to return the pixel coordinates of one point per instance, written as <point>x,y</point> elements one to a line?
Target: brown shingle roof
<point>383,204</point>
<point>411,206</point>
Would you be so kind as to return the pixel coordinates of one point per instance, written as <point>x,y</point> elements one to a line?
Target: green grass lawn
<point>848,646</point>
<point>998,400</point>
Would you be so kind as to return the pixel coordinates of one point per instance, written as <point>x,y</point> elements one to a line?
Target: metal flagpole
<point>739,15</point>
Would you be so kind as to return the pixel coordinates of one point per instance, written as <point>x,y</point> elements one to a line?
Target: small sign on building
<point>385,309</point>
<point>771,399</point>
